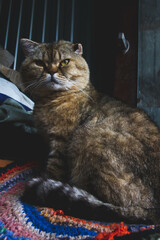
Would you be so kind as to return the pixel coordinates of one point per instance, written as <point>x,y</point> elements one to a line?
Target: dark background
<point>96,25</point>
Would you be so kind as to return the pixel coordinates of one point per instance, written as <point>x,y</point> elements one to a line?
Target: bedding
<point>19,220</point>
<point>18,136</point>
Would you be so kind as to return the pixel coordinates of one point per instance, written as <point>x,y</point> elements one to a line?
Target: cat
<point>104,158</point>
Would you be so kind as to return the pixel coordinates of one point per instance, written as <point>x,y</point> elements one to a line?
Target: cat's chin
<point>52,87</point>
<point>57,87</point>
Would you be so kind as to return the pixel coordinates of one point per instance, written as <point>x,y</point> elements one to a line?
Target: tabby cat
<point>104,159</point>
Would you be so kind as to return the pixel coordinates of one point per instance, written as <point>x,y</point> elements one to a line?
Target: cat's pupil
<point>64,62</point>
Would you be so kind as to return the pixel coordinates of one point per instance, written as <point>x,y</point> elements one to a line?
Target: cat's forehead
<point>55,52</point>
<point>62,49</point>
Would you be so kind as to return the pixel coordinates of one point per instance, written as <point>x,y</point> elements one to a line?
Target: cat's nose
<point>52,69</point>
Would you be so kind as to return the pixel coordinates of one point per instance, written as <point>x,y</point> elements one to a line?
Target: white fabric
<point>10,89</point>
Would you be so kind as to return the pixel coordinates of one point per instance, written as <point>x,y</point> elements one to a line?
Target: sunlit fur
<point>97,143</point>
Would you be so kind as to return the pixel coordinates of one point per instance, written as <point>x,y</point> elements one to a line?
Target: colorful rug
<point>19,220</point>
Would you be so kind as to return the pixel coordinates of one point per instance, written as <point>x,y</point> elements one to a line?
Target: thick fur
<point>98,144</point>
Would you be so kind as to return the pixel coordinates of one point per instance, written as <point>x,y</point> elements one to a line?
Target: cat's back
<point>120,137</point>
<point>118,117</point>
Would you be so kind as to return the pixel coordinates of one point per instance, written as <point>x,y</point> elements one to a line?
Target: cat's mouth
<point>54,80</point>
<point>57,83</point>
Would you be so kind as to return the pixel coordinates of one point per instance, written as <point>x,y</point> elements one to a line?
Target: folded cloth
<point>13,111</point>
<point>9,89</point>
<point>19,220</point>
<point>19,137</point>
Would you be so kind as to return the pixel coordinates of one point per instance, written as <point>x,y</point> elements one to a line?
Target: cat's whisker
<point>35,84</point>
<point>82,91</point>
<point>19,85</point>
<point>29,86</point>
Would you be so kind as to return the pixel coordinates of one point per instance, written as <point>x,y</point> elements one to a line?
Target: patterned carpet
<point>19,220</point>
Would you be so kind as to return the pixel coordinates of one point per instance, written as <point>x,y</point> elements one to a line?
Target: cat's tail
<point>76,202</point>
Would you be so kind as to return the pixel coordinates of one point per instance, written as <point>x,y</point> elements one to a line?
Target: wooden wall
<point>148,86</point>
<point>115,73</point>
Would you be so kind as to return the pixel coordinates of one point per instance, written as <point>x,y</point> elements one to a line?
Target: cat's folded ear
<point>28,46</point>
<point>78,48</point>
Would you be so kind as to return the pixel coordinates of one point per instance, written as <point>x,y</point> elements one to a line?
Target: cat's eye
<point>64,62</point>
<point>39,63</point>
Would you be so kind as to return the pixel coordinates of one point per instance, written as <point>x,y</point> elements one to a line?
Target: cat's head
<point>50,67</point>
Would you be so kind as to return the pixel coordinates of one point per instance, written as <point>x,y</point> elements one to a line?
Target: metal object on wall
<point>72,21</point>
<point>44,21</point>
<point>8,23</point>
<point>31,22</point>
<point>123,43</point>
<point>57,25</point>
<point>18,34</point>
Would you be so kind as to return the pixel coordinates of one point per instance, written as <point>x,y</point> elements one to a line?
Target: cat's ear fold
<point>78,48</point>
<point>28,46</point>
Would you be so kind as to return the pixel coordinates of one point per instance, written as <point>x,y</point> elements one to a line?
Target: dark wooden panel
<point>149,58</point>
<point>115,73</point>
<point>105,34</point>
<point>125,84</point>
<point>83,27</point>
